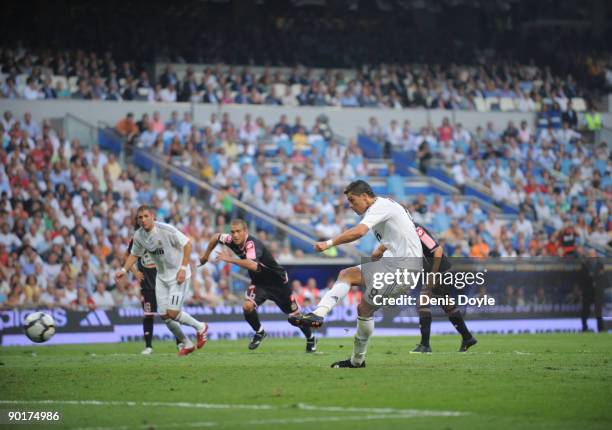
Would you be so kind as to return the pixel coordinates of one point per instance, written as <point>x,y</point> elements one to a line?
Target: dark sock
<point>147,329</point>
<point>307,332</point>
<point>459,324</point>
<point>253,319</point>
<point>425,326</point>
<point>585,326</point>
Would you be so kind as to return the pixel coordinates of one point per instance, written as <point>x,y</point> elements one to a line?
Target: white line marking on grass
<point>419,412</point>
<point>342,418</point>
<point>144,404</point>
<point>333,418</point>
<point>300,406</point>
<point>153,425</point>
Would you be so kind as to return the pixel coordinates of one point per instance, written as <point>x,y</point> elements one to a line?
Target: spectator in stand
<point>424,156</point>
<point>445,131</point>
<point>83,301</point>
<point>127,128</point>
<point>543,118</point>
<point>499,189</point>
<point>570,116</point>
<point>31,90</point>
<point>479,248</point>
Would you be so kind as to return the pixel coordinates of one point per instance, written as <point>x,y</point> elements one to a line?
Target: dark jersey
<point>429,245</point>
<point>147,267</point>
<point>568,240</point>
<point>269,273</point>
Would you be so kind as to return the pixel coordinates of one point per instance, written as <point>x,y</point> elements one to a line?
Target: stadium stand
<point>34,74</point>
<point>67,210</point>
<point>66,207</point>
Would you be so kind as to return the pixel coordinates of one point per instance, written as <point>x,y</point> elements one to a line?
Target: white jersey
<point>164,243</point>
<point>393,227</point>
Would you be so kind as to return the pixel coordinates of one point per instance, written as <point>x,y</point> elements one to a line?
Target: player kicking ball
<point>393,227</point>
<point>434,260</point>
<point>269,280</point>
<point>170,250</point>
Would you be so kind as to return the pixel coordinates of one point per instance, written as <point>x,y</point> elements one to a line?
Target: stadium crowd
<point>553,174</point>
<point>66,212</point>
<point>296,171</point>
<point>490,85</point>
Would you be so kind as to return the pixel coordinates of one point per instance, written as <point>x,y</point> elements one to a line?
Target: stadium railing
<point>187,180</point>
<point>184,178</point>
<point>405,165</point>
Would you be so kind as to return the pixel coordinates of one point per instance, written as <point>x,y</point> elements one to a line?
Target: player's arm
<point>129,262</point>
<point>378,252</point>
<point>134,268</point>
<point>211,245</point>
<point>180,241</point>
<point>180,275</point>
<point>437,259</point>
<point>433,246</point>
<point>348,236</point>
<point>137,273</point>
<point>253,253</point>
<point>245,264</point>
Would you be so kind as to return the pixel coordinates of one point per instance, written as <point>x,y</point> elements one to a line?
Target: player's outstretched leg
<point>315,319</point>
<point>425,326</point>
<point>184,318</point>
<point>147,329</point>
<point>365,328</point>
<point>175,329</point>
<point>252,317</point>
<point>311,341</point>
<point>467,340</point>
<point>287,303</point>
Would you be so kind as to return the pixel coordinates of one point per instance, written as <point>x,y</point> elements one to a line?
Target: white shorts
<point>389,289</point>
<point>170,294</point>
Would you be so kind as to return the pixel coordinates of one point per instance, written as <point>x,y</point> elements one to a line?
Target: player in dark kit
<point>269,280</point>
<point>434,260</point>
<point>146,272</point>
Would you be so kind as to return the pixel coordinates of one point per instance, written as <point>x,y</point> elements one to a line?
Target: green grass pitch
<point>561,381</point>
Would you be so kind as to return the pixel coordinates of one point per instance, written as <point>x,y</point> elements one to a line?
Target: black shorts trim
<point>282,296</point>
<point>148,300</point>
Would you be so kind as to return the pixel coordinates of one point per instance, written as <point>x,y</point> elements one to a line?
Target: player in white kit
<point>170,250</point>
<point>393,227</point>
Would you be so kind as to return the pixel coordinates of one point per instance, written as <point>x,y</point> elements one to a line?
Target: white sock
<point>365,328</point>
<point>332,298</point>
<point>175,328</point>
<point>185,318</point>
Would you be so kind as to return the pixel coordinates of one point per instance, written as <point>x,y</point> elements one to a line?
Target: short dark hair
<point>359,187</point>
<point>143,208</point>
<point>241,222</point>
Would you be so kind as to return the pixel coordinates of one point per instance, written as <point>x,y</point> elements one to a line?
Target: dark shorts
<point>149,302</point>
<point>281,295</point>
<point>437,291</point>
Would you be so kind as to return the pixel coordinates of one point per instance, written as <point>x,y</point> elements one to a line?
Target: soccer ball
<point>39,327</point>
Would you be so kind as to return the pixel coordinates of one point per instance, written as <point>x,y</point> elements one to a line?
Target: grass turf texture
<point>518,381</point>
